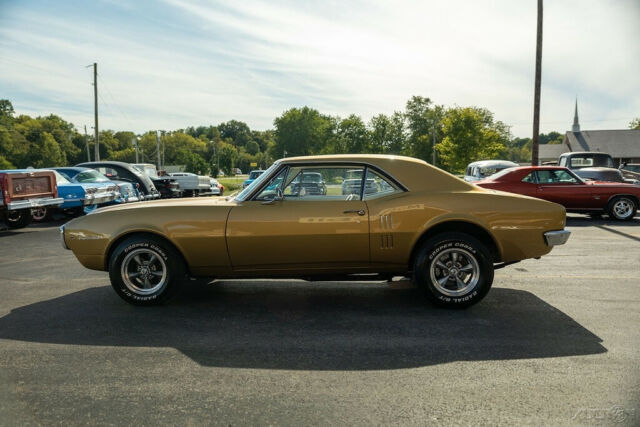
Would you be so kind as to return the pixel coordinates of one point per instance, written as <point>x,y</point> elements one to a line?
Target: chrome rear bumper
<point>34,203</point>
<point>555,238</point>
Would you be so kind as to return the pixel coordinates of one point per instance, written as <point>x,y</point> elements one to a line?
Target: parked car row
<point>75,190</point>
<point>584,182</point>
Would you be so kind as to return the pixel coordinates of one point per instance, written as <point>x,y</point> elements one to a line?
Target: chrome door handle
<point>360,212</point>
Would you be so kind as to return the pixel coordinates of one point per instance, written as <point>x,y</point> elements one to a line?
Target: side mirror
<point>278,196</point>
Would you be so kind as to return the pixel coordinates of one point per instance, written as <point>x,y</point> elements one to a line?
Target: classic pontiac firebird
<point>413,219</point>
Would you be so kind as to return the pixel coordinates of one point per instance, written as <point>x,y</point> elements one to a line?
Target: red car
<point>560,185</point>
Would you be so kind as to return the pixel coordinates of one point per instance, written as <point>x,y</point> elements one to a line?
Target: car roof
<point>485,163</point>
<point>573,153</point>
<point>414,174</point>
<point>73,168</point>
<point>106,163</point>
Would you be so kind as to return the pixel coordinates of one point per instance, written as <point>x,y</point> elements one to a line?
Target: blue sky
<point>176,63</point>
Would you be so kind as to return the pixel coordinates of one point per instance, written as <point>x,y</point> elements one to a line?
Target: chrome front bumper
<point>64,243</point>
<point>555,238</point>
<point>34,203</point>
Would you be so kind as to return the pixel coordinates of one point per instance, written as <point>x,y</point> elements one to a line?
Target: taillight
<point>5,188</point>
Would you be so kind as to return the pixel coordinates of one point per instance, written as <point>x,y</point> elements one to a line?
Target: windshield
<point>502,173</point>
<point>591,160</point>
<point>90,176</point>
<point>244,193</point>
<point>61,179</point>
<point>150,171</point>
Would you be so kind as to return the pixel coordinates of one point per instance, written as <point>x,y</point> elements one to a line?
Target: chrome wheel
<point>454,272</point>
<point>144,271</point>
<point>39,214</point>
<point>623,208</point>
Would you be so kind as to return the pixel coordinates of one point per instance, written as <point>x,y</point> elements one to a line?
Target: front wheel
<point>146,270</point>
<point>622,208</point>
<point>455,270</point>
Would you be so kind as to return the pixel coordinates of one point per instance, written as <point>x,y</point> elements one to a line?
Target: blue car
<point>79,175</point>
<point>252,177</point>
<point>77,197</point>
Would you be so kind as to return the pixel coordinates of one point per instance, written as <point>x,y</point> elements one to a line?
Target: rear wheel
<point>622,208</point>
<point>146,270</point>
<point>454,269</point>
<point>41,214</point>
<point>18,218</point>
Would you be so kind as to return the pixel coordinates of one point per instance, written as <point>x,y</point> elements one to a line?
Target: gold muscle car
<point>404,218</point>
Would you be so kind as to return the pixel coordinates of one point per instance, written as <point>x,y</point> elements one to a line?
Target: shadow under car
<point>308,326</point>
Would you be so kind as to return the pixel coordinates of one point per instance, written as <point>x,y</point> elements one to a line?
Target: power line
<point>124,116</point>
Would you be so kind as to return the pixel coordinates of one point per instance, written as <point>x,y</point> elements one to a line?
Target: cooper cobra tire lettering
<point>467,246</point>
<point>172,265</point>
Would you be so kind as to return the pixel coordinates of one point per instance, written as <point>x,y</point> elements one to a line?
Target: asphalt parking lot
<point>556,342</point>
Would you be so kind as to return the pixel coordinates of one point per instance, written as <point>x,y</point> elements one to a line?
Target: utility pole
<point>95,109</point>
<point>134,141</point>
<point>536,97</point>
<point>163,163</point>
<point>86,142</point>
<point>433,162</point>
<point>157,150</point>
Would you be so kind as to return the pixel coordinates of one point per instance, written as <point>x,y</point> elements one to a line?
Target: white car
<point>192,184</point>
<point>485,168</point>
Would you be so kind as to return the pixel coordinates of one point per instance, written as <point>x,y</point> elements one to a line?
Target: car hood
<point>204,201</point>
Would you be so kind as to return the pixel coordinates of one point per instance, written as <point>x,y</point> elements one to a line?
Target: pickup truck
<point>23,190</point>
<point>583,163</point>
<point>192,184</point>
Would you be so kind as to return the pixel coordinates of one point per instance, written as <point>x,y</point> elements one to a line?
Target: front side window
<point>311,183</point>
<point>270,191</point>
<point>531,179</point>
<point>556,177</point>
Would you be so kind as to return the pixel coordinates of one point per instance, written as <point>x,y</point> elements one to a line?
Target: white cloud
<point>251,60</point>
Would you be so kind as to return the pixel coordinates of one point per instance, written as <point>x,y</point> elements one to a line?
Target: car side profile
<point>561,185</point>
<point>420,221</point>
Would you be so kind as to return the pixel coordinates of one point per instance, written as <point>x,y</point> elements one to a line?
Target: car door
<point>288,226</point>
<point>559,186</point>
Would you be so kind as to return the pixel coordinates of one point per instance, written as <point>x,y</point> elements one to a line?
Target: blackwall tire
<point>146,270</point>
<point>18,218</point>
<point>455,270</point>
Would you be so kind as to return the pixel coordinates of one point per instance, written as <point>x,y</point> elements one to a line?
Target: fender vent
<point>386,239</point>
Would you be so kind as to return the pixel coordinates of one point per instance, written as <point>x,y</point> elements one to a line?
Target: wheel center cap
<point>453,271</point>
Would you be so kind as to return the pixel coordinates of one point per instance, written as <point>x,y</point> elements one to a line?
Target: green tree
<point>470,134</point>
<point>634,124</point>
<point>422,119</point>
<point>301,131</point>
<point>387,134</point>
<point>237,131</point>
<point>227,156</point>
<point>6,164</point>
<point>352,135</point>
<point>6,112</point>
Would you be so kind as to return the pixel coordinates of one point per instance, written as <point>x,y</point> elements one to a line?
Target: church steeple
<point>576,123</point>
